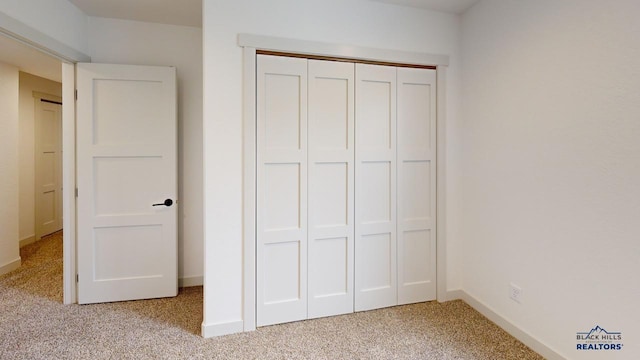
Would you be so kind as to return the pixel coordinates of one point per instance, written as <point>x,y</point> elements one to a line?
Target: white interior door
<point>48,165</point>
<point>331,188</point>
<point>281,286</point>
<point>416,185</point>
<point>127,182</point>
<point>375,197</point>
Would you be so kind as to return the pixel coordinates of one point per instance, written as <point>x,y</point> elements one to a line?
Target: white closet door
<point>282,189</point>
<point>416,185</point>
<point>375,242</point>
<point>331,185</point>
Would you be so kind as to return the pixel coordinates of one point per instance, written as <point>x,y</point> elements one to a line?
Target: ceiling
<point>449,6</point>
<point>189,12</point>
<point>30,60</point>
<point>173,12</point>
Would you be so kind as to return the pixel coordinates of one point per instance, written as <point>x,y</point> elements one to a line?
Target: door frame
<point>250,45</point>
<point>69,56</point>
<point>69,182</point>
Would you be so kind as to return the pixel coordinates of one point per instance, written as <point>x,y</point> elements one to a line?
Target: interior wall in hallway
<point>9,88</point>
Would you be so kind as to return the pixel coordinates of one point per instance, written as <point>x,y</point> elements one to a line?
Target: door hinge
<point>76,192</point>
<point>77,278</point>
<point>76,94</point>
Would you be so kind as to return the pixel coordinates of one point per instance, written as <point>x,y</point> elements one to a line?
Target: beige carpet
<point>35,325</point>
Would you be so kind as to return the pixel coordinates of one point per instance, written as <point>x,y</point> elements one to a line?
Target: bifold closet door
<point>416,185</point>
<point>375,208</point>
<point>281,292</point>
<point>331,187</point>
<point>346,170</point>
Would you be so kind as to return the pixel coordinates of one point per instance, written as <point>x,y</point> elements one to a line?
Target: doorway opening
<point>38,150</point>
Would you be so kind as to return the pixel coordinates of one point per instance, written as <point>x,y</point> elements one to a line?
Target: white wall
<point>354,22</point>
<point>9,253</point>
<point>139,43</point>
<point>551,159</point>
<point>57,19</point>
<point>28,84</point>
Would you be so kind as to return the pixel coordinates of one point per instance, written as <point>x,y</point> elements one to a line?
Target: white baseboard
<point>535,344</point>
<point>10,266</point>
<point>454,295</point>
<point>28,240</point>
<point>211,330</point>
<point>190,281</point>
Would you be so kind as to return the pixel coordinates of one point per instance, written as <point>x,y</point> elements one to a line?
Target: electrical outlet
<point>515,293</point>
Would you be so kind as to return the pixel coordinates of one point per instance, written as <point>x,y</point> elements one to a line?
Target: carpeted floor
<point>35,325</point>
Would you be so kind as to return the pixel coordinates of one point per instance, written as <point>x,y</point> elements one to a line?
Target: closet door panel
<point>331,187</point>
<point>416,185</point>
<point>376,206</point>
<point>377,133</point>
<point>281,190</point>
<point>375,242</point>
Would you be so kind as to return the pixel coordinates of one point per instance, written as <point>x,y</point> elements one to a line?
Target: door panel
<point>282,261</point>
<point>416,185</point>
<point>375,209</point>
<point>282,190</point>
<point>109,243</point>
<point>126,163</point>
<point>331,188</point>
<point>110,121</point>
<point>375,205</point>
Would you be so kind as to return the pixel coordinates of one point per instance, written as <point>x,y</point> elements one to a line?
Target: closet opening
<point>295,156</point>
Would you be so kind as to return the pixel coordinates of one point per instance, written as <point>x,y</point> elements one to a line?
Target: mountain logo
<point>599,339</point>
<point>598,333</point>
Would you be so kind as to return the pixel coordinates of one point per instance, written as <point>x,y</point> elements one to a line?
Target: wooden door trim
<point>343,59</point>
